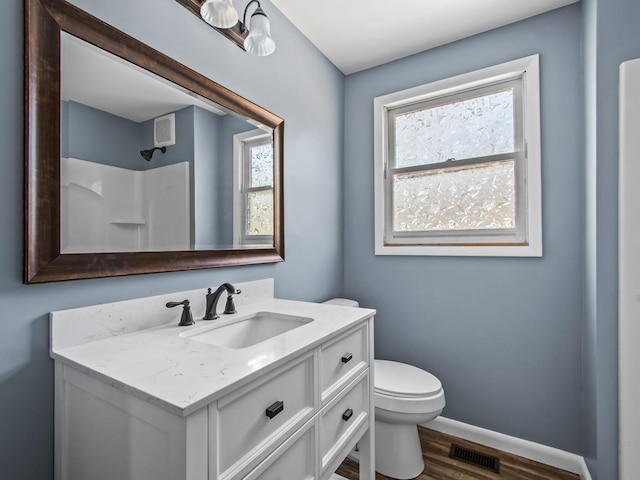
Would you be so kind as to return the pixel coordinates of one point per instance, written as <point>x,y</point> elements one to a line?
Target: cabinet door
<point>253,420</point>
<point>294,460</point>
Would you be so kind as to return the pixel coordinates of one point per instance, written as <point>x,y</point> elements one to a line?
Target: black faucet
<point>212,301</point>
<point>186,319</point>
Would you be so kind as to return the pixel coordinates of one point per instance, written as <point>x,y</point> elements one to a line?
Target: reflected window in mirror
<point>253,182</point>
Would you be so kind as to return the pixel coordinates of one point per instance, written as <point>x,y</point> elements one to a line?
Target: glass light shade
<point>219,13</point>
<point>259,41</point>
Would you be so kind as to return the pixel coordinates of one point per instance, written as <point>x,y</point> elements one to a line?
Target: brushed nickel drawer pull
<point>274,409</point>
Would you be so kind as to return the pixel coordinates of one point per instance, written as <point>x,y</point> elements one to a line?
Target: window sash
<point>467,94</point>
<point>490,236</point>
<point>244,190</point>
<point>511,236</point>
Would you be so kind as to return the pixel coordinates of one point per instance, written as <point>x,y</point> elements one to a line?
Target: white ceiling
<point>96,78</point>
<point>359,34</point>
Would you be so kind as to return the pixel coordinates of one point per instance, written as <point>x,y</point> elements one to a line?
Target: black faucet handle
<point>229,307</point>
<point>187,318</point>
<point>184,303</point>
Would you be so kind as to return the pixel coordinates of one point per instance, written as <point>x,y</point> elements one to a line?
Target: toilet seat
<point>402,380</point>
<point>403,388</point>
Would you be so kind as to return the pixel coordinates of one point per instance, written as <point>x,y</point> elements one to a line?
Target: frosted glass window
<point>457,165</point>
<point>469,128</point>
<point>453,164</point>
<point>465,198</point>
<point>260,213</point>
<point>261,165</point>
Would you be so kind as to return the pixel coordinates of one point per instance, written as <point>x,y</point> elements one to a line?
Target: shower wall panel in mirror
<point>137,164</point>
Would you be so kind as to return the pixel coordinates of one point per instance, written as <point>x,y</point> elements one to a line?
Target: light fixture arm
<point>243,26</point>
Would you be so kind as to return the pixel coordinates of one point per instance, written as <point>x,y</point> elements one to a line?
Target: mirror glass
<point>147,165</point>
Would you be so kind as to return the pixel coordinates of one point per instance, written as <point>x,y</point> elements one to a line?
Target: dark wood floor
<point>438,465</point>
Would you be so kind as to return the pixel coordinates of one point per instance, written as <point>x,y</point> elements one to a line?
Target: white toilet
<point>404,397</point>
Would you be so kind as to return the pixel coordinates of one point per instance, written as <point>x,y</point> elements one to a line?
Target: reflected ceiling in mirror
<point>149,166</point>
<point>137,164</point>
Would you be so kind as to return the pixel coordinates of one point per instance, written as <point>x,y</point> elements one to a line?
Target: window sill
<point>462,250</point>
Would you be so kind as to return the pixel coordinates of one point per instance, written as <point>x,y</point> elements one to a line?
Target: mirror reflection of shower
<point>147,154</point>
<point>115,209</point>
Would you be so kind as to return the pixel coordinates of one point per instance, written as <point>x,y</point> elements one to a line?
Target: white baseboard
<point>524,448</point>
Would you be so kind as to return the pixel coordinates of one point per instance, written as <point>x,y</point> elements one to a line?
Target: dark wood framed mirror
<point>48,255</point>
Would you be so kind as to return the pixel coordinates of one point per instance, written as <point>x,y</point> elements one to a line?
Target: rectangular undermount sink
<point>248,331</point>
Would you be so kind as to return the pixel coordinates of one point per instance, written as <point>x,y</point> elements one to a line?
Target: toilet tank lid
<point>343,302</point>
<point>400,379</point>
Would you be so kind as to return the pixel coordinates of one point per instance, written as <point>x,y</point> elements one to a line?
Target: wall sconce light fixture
<point>222,15</point>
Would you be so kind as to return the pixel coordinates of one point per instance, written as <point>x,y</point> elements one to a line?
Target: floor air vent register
<point>473,457</point>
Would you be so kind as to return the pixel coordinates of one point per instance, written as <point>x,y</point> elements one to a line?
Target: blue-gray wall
<point>313,191</point>
<point>206,166</point>
<point>611,37</point>
<point>503,334</point>
<point>589,10</point>
<point>96,136</point>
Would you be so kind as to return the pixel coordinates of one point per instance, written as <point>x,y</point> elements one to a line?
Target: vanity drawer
<point>295,459</point>
<point>341,360</point>
<point>253,420</point>
<point>343,416</point>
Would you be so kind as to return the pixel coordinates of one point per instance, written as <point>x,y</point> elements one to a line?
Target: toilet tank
<point>343,302</point>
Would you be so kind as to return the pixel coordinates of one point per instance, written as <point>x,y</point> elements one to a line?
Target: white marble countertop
<point>181,374</point>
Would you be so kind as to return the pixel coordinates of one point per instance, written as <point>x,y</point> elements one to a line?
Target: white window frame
<point>527,243</point>
<point>241,173</point>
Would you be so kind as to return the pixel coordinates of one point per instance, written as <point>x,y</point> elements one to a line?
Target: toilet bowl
<point>404,397</point>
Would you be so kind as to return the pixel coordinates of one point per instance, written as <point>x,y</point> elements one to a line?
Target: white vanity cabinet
<point>295,419</point>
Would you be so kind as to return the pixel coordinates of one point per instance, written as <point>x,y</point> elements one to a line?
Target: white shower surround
<point>113,209</point>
